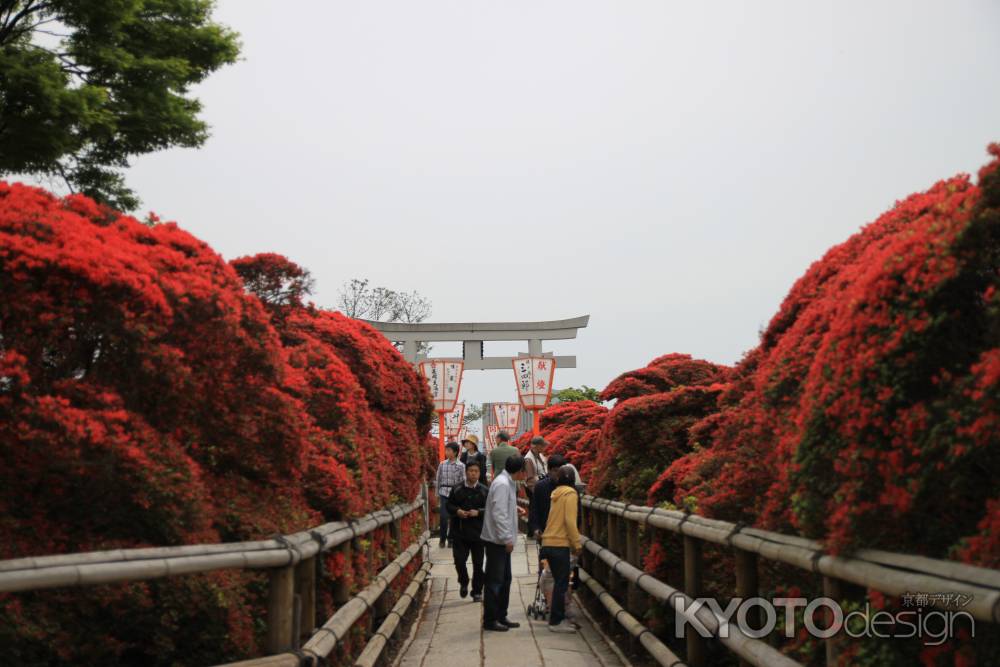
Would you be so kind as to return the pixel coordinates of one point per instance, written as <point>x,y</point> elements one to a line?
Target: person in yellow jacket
<point>559,537</point>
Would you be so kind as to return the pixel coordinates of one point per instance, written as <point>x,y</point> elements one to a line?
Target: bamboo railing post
<point>600,569</point>
<point>693,588</point>
<point>632,603</point>
<point>280,611</point>
<point>832,588</point>
<point>341,586</point>
<point>632,556</point>
<point>383,604</point>
<point>425,497</point>
<point>396,533</point>
<point>635,600</point>
<point>746,587</point>
<point>611,542</point>
<point>305,586</point>
<point>585,561</point>
<point>621,539</point>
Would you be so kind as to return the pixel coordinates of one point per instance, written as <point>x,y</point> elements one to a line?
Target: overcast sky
<point>669,168</point>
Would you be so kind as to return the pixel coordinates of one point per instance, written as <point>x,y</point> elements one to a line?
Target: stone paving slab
<point>449,632</point>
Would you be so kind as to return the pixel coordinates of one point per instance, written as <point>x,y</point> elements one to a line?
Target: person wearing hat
<point>472,453</point>
<point>536,464</point>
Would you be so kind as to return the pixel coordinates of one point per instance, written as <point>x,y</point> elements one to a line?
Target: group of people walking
<point>479,519</point>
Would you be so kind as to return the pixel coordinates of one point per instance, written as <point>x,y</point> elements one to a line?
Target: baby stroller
<point>539,607</point>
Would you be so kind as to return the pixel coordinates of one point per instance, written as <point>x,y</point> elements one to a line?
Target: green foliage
<point>583,393</point>
<point>473,413</point>
<point>85,86</point>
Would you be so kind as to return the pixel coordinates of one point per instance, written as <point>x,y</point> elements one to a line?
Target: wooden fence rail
<point>291,563</point>
<point>612,528</point>
<point>326,638</point>
<point>663,655</point>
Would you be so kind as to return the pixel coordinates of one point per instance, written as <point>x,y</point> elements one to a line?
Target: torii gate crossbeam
<point>474,334</point>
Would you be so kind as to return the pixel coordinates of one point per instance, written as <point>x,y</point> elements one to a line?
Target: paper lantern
<point>453,421</point>
<point>445,380</point>
<point>533,376</point>
<point>507,416</point>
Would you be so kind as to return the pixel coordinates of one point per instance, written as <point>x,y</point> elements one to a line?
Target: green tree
<point>473,413</point>
<point>583,393</point>
<point>86,85</point>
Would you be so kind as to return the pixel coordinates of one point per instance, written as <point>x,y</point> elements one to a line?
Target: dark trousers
<point>558,558</point>
<point>461,551</point>
<point>496,595</point>
<point>445,518</point>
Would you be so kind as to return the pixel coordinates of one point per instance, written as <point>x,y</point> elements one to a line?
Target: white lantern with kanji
<point>453,421</point>
<point>508,416</point>
<point>445,380</point>
<point>491,436</point>
<point>533,376</point>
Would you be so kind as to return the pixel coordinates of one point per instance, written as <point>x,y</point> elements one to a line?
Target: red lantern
<point>445,380</point>
<point>533,376</point>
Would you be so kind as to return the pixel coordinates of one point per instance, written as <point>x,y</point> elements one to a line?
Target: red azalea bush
<point>573,430</point>
<point>146,398</point>
<point>869,413</point>
<point>647,429</point>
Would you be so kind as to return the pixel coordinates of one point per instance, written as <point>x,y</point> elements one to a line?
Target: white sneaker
<point>563,627</point>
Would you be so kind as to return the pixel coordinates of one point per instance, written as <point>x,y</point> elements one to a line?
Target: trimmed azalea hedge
<point>869,414</point>
<point>153,394</point>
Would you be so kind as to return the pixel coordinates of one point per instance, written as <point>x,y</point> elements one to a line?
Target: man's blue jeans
<point>558,558</point>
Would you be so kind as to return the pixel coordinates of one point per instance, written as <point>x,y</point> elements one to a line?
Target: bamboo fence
<point>613,527</point>
<point>333,631</point>
<point>290,561</point>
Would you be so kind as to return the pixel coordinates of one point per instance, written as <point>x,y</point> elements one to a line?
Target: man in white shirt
<point>500,535</point>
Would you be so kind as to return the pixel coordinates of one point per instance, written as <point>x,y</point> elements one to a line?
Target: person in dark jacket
<point>467,504</point>
<point>472,453</point>
<point>538,510</point>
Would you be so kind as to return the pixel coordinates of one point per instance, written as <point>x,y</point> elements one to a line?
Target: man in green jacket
<point>503,451</point>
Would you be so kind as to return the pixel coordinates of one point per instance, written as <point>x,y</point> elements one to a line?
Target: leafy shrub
<point>147,398</point>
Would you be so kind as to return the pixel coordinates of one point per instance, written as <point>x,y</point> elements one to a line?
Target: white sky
<point>668,167</point>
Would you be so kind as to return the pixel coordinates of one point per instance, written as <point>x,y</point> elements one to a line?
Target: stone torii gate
<point>474,334</point>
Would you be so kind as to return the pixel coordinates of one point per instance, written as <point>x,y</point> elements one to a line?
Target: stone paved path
<point>449,632</point>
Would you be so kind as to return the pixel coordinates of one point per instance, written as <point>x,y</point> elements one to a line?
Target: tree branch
<point>68,64</point>
<point>62,173</point>
<point>7,29</point>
